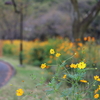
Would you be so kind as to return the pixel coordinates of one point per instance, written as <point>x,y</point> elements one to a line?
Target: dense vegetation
<point>44,18</point>
<point>37,52</point>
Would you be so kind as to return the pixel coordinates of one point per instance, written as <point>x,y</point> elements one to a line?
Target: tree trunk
<point>1,45</point>
<point>79,27</point>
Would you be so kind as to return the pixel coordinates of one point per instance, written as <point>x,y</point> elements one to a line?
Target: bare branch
<point>93,13</point>
<point>88,20</point>
<point>15,6</point>
<point>91,16</point>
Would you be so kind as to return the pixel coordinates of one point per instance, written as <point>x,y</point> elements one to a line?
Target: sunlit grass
<point>23,79</point>
<point>89,53</point>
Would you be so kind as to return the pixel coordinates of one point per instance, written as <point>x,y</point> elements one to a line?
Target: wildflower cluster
<point>52,51</point>
<point>80,65</point>
<point>35,52</point>
<point>96,94</point>
<point>64,75</point>
<point>73,74</point>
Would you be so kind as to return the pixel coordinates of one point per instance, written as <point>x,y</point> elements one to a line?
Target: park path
<point>6,72</point>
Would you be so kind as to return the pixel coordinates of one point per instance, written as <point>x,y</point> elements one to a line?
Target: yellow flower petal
<point>52,51</point>
<point>96,77</point>
<point>81,65</point>
<point>96,96</point>
<point>84,81</point>
<point>58,54</point>
<point>19,92</point>
<point>64,76</point>
<point>73,66</point>
<point>43,65</point>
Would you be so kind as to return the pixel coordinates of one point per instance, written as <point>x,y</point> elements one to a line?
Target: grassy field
<point>23,79</point>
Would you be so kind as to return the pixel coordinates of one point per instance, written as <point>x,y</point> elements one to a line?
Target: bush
<point>8,49</point>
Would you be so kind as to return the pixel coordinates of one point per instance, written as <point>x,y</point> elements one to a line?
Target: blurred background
<point>25,25</point>
<point>30,28</point>
<point>45,19</point>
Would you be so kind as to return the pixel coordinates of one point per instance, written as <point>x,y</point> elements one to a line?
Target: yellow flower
<point>19,92</point>
<point>64,76</point>
<point>73,66</point>
<point>96,77</point>
<point>84,81</point>
<point>99,87</point>
<point>81,65</point>
<point>96,90</point>
<point>43,65</point>
<point>58,54</point>
<point>52,51</point>
<point>96,96</point>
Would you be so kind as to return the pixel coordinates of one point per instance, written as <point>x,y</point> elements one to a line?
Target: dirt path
<point>6,72</point>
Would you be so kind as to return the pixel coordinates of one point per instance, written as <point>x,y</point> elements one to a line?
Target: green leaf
<point>50,91</point>
<point>53,81</point>
<point>38,84</point>
<point>58,85</point>
<point>50,84</point>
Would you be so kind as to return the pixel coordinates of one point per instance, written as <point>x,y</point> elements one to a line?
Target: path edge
<point>12,68</point>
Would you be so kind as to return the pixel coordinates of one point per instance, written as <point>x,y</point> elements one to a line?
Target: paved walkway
<point>6,72</point>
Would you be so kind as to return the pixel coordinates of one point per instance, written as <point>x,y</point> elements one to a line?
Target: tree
<point>9,22</point>
<point>79,25</point>
<point>19,7</point>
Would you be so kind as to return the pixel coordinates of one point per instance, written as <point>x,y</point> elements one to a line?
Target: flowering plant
<point>69,81</point>
<point>74,75</point>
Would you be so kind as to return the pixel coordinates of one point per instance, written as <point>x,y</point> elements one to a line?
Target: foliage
<point>8,49</point>
<point>41,19</point>
<point>70,79</point>
<point>37,52</point>
<point>75,77</point>
<point>24,79</point>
